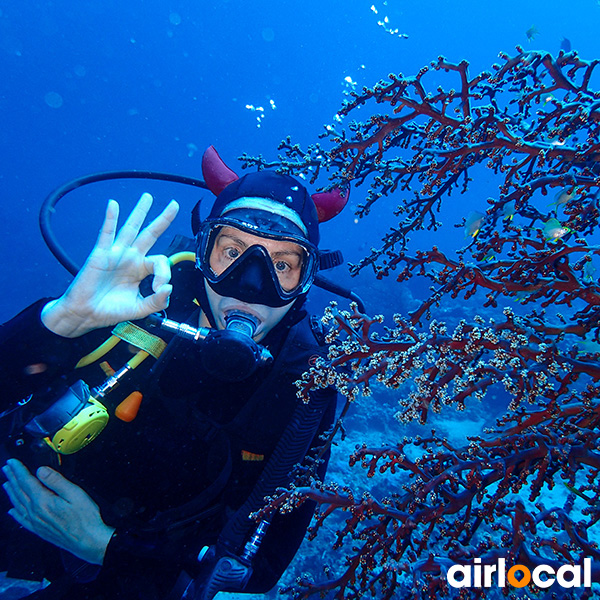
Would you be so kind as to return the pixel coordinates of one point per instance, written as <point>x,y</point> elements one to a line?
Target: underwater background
<point>99,86</point>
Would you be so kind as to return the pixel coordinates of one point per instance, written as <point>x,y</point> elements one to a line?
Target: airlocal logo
<point>543,576</point>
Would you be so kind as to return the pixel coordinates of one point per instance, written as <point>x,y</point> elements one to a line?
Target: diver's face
<point>287,258</point>
<point>231,243</point>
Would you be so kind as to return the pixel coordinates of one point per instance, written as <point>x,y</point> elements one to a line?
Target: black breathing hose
<point>338,290</point>
<point>49,204</point>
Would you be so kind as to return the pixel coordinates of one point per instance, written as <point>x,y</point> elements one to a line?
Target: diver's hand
<point>106,290</point>
<point>57,510</point>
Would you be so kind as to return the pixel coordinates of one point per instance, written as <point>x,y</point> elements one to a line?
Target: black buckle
<point>328,259</point>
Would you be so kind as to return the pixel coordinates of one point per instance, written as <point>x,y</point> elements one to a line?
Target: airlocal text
<point>543,576</point>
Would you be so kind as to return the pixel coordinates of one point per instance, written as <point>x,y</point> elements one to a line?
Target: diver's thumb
<point>58,484</point>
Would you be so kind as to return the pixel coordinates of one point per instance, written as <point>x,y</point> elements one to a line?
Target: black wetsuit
<point>171,479</point>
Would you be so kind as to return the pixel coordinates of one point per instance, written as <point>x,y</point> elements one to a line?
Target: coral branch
<point>533,123</point>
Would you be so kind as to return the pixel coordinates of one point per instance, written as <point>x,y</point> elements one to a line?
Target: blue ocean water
<point>95,86</point>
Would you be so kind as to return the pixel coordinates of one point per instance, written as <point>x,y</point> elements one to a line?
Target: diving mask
<point>270,266</point>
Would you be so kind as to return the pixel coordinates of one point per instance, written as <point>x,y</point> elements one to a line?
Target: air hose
<point>49,204</point>
<point>49,207</point>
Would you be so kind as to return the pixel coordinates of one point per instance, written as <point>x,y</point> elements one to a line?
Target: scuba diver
<point>159,500</point>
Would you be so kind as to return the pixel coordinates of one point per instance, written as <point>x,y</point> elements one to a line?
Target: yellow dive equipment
<point>72,422</point>
<point>80,430</point>
<point>78,417</point>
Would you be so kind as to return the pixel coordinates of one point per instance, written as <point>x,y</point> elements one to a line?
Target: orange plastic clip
<point>251,456</point>
<point>128,409</point>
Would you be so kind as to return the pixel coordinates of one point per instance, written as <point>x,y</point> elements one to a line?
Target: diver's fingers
<point>157,301</point>
<point>160,266</point>
<point>150,234</point>
<point>106,237</point>
<point>21,518</point>
<point>18,487</point>
<point>14,497</point>
<point>35,505</point>
<point>39,524</point>
<point>38,519</point>
<point>25,520</point>
<point>134,222</point>
<point>23,484</point>
<point>13,487</point>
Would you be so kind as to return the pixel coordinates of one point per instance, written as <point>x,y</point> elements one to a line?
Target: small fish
<point>587,347</point>
<point>578,493</point>
<point>563,196</point>
<point>557,141</point>
<point>588,270</point>
<point>473,223</point>
<point>565,45</point>
<point>521,296</point>
<point>531,33</point>
<point>508,211</point>
<point>553,230</point>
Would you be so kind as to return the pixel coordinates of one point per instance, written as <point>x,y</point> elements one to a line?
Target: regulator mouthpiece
<point>229,354</point>
<point>241,322</point>
<point>232,354</point>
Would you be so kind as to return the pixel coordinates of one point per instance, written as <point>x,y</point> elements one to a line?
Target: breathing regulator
<point>78,416</point>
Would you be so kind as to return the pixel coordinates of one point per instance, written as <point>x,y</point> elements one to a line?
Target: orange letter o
<point>518,583</point>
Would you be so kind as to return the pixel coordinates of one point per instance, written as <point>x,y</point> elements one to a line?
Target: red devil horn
<point>217,174</point>
<point>329,204</point>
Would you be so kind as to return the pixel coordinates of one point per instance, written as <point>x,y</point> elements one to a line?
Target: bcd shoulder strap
<point>292,445</point>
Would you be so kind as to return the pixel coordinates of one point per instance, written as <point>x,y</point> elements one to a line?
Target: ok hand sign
<point>106,289</point>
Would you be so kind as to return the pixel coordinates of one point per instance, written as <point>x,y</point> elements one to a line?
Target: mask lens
<point>288,258</point>
<point>222,246</point>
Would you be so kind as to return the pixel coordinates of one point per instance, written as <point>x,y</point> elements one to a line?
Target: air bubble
<point>53,99</point>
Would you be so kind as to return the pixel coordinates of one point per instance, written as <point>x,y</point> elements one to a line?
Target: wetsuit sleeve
<point>284,536</point>
<point>31,356</point>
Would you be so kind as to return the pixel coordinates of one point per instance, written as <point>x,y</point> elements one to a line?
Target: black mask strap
<point>202,298</point>
<point>196,220</point>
